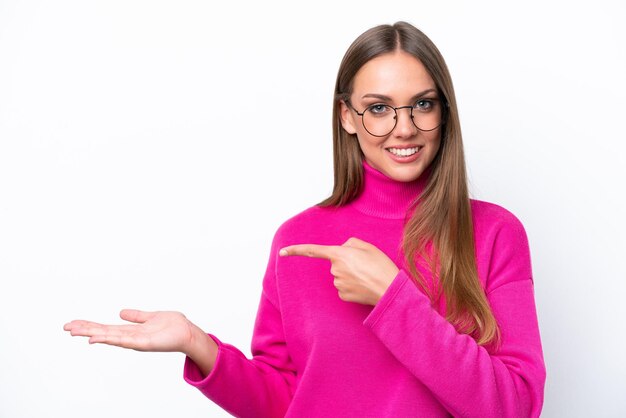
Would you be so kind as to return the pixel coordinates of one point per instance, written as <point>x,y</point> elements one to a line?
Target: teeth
<point>404,152</point>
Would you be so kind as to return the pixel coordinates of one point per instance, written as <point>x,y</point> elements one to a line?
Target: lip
<point>405,146</point>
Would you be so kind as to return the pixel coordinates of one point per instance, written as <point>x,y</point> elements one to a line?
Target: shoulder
<point>491,218</point>
<point>502,248</point>
<point>487,211</point>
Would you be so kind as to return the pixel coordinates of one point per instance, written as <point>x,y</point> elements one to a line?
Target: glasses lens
<point>427,114</point>
<point>379,120</point>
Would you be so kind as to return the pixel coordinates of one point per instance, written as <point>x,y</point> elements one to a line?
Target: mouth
<point>405,151</point>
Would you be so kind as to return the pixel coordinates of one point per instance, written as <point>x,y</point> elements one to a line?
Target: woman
<point>410,300</point>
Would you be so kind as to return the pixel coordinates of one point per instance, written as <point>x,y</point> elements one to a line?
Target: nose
<point>404,123</point>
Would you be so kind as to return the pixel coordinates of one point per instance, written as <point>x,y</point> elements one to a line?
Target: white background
<point>150,149</point>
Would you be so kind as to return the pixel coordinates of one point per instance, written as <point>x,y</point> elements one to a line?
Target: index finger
<point>310,250</point>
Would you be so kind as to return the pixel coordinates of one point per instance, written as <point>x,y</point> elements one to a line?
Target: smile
<point>403,152</point>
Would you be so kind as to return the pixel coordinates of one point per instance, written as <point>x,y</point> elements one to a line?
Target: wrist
<point>393,273</point>
<point>197,342</point>
<point>202,350</point>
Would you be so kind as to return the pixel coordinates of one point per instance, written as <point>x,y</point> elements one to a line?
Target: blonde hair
<point>440,228</point>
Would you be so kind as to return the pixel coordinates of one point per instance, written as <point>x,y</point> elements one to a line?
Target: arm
<point>258,387</point>
<point>467,379</point>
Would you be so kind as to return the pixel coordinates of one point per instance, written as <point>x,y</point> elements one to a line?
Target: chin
<point>404,174</point>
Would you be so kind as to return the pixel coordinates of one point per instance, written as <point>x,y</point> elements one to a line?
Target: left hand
<point>362,272</point>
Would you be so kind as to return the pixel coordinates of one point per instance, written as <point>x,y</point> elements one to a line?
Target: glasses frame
<point>395,110</point>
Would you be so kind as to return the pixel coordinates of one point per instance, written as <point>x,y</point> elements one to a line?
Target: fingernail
<point>282,252</point>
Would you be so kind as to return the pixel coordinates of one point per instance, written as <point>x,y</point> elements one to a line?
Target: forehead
<point>396,74</point>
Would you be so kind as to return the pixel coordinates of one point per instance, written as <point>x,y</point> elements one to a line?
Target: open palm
<point>150,331</point>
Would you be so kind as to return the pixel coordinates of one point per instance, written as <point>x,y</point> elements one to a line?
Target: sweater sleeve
<point>469,380</point>
<point>263,385</point>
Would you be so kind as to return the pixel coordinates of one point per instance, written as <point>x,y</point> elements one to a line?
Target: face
<point>394,79</point>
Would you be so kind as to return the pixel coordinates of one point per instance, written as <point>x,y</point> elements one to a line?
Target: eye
<point>378,109</point>
<point>424,105</point>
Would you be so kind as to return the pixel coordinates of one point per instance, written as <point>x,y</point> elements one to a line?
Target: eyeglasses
<point>381,120</point>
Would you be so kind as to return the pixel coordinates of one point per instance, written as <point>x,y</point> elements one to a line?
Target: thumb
<point>133,315</point>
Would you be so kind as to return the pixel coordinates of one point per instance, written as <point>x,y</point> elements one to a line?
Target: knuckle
<point>346,297</point>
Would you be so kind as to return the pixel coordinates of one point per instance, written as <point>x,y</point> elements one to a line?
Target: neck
<point>384,197</point>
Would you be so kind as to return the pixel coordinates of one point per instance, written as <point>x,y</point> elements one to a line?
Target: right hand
<point>152,331</point>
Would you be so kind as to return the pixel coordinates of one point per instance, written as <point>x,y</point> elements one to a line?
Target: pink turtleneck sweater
<point>314,355</point>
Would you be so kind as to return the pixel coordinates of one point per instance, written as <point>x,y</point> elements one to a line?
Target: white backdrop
<point>150,149</point>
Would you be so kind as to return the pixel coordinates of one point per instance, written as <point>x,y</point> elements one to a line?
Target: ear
<point>347,118</point>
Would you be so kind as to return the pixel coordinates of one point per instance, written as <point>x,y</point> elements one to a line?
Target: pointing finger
<point>310,250</point>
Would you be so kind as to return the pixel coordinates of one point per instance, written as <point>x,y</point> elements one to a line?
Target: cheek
<point>368,143</point>
<point>433,147</point>
<point>434,140</point>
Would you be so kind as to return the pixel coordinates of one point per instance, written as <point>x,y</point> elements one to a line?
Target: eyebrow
<point>387,98</point>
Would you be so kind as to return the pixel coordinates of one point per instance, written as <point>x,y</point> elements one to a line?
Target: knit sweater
<point>315,355</point>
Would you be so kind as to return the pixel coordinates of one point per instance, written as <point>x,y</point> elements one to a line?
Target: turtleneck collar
<point>384,197</point>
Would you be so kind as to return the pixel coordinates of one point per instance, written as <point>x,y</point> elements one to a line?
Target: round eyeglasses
<point>381,119</point>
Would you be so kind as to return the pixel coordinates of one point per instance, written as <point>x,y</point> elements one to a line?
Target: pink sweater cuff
<point>192,373</point>
<point>397,285</point>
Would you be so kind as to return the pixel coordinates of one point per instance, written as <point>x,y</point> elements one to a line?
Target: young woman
<point>398,296</point>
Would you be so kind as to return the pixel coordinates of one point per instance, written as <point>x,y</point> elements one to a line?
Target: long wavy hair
<point>440,229</point>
